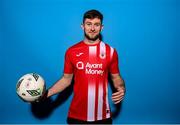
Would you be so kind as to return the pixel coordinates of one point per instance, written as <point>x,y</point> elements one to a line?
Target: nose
<point>92,28</point>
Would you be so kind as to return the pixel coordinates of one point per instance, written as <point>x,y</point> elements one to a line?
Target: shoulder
<point>108,47</point>
<point>111,51</point>
<point>106,44</point>
<point>75,47</point>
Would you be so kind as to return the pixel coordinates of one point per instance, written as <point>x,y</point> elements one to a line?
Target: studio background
<point>34,35</point>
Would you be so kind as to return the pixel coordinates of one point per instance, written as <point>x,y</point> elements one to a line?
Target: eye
<point>97,24</point>
<point>88,24</point>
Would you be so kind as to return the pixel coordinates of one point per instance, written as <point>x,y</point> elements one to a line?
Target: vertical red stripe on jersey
<point>100,101</point>
<point>108,112</point>
<point>104,99</point>
<point>107,101</point>
<point>97,85</point>
<point>111,53</point>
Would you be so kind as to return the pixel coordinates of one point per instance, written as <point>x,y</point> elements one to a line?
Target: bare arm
<point>60,85</point>
<point>119,85</point>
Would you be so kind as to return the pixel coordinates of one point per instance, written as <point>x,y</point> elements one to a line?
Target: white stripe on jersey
<point>91,89</point>
<point>91,102</point>
<point>102,50</point>
<point>92,51</point>
<point>100,102</point>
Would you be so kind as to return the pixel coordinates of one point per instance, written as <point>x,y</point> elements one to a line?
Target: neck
<point>91,42</point>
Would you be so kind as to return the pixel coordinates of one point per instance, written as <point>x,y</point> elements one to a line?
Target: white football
<point>30,87</point>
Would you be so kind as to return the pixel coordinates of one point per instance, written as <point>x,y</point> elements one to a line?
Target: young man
<point>90,61</point>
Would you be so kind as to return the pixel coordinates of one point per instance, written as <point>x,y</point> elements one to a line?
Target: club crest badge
<point>102,55</point>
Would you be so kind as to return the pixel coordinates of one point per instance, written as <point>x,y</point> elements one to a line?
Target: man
<point>89,62</point>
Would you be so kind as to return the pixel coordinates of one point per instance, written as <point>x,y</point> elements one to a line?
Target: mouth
<point>92,33</point>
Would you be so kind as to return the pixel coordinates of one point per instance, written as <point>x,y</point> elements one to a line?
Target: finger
<point>118,101</point>
<point>118,93</point>
<point>117,97</point>
<point>120,89</point>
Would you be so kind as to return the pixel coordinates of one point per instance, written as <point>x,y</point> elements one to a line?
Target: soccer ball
<point>30,87</point>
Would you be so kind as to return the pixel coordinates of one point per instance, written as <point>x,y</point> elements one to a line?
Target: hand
<point>43,97</point>
<point>118,96</point>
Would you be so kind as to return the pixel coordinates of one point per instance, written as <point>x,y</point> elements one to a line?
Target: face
<point>92,28</point>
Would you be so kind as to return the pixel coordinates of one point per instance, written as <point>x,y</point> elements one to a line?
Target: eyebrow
<point>91,22</point>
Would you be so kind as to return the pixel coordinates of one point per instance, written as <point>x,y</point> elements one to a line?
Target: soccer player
<point>89,62</point>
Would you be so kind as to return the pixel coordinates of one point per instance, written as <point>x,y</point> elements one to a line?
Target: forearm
<point>119,85</point>
<point>59,86</point>
<point>118,81</point>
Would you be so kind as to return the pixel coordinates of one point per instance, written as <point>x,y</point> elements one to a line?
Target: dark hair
<point>91,14</point>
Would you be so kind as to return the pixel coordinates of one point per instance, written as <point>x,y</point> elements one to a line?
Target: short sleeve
<point>68,66</point>
<point>114,68</point>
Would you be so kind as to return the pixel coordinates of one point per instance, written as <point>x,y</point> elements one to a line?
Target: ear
<point>102,27</point>
<point>82,26</point>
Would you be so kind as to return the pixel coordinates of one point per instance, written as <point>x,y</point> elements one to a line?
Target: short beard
<point>94,38</point>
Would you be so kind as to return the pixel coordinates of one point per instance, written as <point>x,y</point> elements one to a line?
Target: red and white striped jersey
<point>90,65</point>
